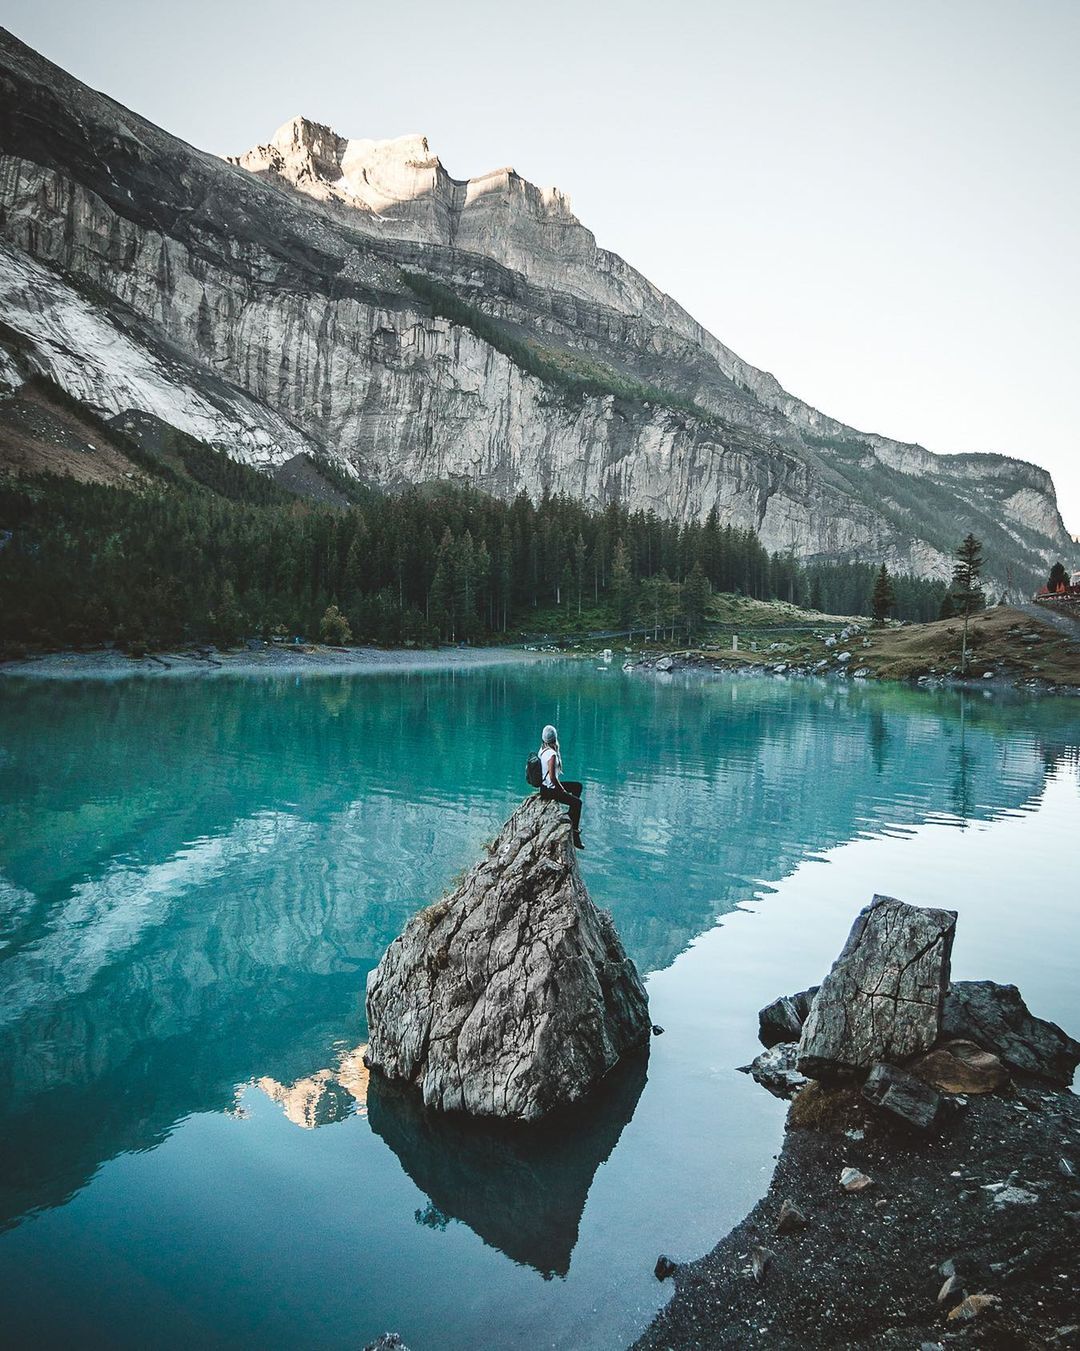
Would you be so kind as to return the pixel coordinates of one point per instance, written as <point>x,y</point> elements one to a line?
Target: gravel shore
<point>994,1200</point>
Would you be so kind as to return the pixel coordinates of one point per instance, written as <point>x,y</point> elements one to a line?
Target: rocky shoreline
<point>927,1192</point>
<point>986,1215</point>
<point>1010,649</point>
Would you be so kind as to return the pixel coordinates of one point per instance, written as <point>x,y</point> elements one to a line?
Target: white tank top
<point>548,758</point>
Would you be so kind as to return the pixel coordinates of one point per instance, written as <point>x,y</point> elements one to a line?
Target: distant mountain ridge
<point>350,299</point>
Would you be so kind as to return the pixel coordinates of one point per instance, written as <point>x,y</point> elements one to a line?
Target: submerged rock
<point>996,1018</point>
<point>512,996</point>
<point>882,999</point>
<point>775,1069</point>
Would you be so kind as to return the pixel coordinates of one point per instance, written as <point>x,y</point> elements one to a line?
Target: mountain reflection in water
<point>196,878</point>
<point>327,1096</point>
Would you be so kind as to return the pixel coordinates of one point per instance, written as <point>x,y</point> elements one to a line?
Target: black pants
<point>569,794</point>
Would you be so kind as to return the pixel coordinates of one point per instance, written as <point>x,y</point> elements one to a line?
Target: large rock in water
<point>882,999</point>
<point>512,996</point>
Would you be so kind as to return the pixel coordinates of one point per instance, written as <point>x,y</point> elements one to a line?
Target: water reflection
<point>522,1189</point>
<point>195,878</point>
<point>325,1097</point>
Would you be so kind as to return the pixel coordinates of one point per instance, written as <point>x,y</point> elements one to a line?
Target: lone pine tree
<point>966,592</point>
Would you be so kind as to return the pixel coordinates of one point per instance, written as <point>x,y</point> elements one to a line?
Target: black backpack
<point>534,771</point>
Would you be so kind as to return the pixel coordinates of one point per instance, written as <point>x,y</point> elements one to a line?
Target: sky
<point>875,200</point>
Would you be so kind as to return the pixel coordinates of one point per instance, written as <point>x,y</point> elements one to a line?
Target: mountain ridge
<point>251,307</point>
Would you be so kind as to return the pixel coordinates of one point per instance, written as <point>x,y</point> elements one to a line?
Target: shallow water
<point>196,877</point>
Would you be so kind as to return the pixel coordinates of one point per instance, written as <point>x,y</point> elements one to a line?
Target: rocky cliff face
<point>262,303</point>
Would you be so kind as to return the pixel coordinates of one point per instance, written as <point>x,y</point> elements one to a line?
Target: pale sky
<point>876,200</point>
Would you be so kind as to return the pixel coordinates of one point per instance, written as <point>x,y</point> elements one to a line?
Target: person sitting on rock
<point>554,789</point>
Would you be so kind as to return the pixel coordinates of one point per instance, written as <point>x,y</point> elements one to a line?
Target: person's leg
<point>572,801</point>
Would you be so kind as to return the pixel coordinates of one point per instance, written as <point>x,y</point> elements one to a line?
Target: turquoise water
<point>197,875</point>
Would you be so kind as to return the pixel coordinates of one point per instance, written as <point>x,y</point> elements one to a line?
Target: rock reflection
<point>521,1189</point>
<point>324,1097</point>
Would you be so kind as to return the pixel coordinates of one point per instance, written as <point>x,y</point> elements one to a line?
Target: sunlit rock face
<point>260,304</point>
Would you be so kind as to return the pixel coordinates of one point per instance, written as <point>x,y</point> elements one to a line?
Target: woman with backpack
<point>554,789</point>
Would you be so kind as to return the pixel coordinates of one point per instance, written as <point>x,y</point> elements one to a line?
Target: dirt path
<point>1064,623</point>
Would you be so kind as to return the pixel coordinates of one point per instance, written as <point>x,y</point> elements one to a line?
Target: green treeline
<point>208,556</point>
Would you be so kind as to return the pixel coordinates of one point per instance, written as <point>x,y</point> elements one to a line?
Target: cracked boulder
<point>512,996</point>
<point>883,998</point>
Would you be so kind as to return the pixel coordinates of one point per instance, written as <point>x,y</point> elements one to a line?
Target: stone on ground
<point>791,1219</point>
<point>512,996</point>
<point>852,1180</point>
<point>882,999</point>
<point>996,1018</point>
<point>973,1307</point>
<point>902,1097</point>
<point>960,1067</point>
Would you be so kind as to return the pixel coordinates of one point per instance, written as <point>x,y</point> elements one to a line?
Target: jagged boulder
<point>882,999</point>
<point>996,1018</point>
<point>512,996</point>
<point>783,1019</point>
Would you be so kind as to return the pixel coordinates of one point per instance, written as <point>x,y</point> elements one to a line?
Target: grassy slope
<point>996,639</point>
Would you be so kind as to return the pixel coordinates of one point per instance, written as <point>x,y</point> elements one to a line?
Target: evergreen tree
<point>579,567</point>
<point>967,594</point>
<point>695,598</point>
<point>1058,579</point>
<point>622,587</point>
<point>441,599</point>
<point>884,596</point>
<point>334,627</point>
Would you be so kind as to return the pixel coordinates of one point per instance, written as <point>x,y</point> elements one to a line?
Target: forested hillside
<point>196,547</point>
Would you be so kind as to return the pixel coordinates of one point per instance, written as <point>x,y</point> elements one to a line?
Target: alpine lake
<point>197,875</point>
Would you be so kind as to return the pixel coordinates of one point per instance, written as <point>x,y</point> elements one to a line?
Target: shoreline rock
<point>882,999</point>
<point>996,1018</point>
<point>942,1166</point>
<point>512,996</point>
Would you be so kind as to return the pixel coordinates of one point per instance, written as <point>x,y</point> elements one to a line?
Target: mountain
<point>349,300</point>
